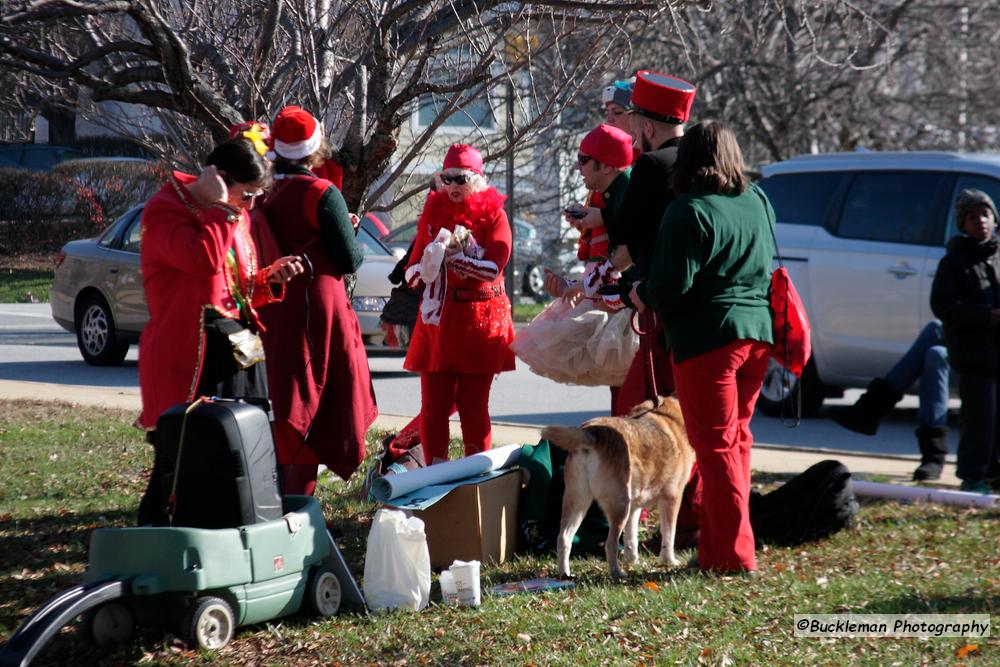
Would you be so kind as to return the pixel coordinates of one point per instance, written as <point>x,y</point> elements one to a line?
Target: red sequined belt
<point>484,294</point>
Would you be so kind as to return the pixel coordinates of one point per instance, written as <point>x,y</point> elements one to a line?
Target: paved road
<point>34,348</point>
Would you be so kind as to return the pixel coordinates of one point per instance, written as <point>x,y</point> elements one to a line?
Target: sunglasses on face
<point>460,179</point>
<point>249,196</point>
<point>583,159</point>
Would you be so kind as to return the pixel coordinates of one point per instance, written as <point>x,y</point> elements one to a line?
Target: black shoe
<point>864,416</point>
<point>927,471</point>
<point>933,443</point>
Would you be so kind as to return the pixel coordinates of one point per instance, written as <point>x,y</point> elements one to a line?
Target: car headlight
<point>368,304</point>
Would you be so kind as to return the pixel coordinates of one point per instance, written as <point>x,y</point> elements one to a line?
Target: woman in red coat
<point>199,265</point>
<point>320,382</point>
<point>463,334</point>
<point>202,279</point>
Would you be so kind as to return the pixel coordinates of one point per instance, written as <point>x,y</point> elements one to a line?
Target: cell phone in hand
<point>575,213</point>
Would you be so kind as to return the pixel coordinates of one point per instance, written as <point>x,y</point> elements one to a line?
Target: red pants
<point>439,393</point>
<point>717,391</point>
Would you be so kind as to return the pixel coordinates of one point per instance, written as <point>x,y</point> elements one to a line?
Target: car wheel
<point>111,623</point>
<point>209,623</point>
<point>780,391</point>
<point>323,592</point>
<point>95,333</point>
<point>534,283</point>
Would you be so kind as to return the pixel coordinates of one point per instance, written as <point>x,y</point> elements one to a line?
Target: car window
<point>802,199</point>
<point>402,234</point>
<point>894,207</point>
<point>109,237</point>
<point>133,235</point>
<point>370,245</point>
<point>987,184</point>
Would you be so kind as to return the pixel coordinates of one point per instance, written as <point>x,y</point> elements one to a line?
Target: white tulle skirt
<point>578,344</point>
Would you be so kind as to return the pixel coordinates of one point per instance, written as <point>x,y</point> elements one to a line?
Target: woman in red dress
<point>202,278</point>
<point>320,383</point>
<point>464,330</point>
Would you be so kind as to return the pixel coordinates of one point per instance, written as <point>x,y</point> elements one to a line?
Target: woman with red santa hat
<point>320,385</point>
<point>464,329</point>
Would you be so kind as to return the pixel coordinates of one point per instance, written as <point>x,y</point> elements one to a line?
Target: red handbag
<point>792,333</point>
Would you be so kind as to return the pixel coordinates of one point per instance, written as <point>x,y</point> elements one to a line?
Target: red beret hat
<point>463,156</point>
<point>608,145</point>
<point>662,97</point>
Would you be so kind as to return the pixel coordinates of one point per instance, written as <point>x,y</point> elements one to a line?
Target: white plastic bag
<point>397,563</point>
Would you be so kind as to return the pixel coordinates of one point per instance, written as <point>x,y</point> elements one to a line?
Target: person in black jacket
<point>965,296</point>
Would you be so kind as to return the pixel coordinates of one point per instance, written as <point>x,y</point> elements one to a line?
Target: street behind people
<point>965,295</point>
<point>321,385</point>
<point>463,334</point>
<point>203,285</point>
<point>709,283</point>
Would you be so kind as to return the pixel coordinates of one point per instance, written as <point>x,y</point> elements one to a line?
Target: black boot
<point>933,442</point>
<point>867,412</point>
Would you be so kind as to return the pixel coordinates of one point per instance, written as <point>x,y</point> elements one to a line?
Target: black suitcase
<point>227,475</point>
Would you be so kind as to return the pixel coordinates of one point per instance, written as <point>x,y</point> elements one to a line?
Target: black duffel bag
<point>810,506</point>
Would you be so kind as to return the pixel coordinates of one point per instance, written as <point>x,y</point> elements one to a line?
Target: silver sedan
<point>97,292</point>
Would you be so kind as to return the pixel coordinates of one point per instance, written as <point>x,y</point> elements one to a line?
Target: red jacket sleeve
<point>192,241</point>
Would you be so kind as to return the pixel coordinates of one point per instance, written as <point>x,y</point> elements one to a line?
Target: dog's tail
<point>569,438</point>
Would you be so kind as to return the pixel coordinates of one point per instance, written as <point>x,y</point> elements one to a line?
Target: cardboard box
<point>474,522</point>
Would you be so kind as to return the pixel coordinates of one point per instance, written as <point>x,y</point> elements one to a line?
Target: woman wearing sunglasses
<point>204,283</point>
<point>464,329</point>
<point>320,384</point>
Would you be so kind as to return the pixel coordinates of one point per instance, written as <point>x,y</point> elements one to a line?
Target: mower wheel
<point>323,593</point>
<point>111,623</point>
<point>209,623</point>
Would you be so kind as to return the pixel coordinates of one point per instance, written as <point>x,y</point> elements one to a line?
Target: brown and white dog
<point>625,463</point>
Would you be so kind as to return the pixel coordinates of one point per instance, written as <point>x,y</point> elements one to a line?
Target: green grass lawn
<point>525,312</point>
<point>65,470</point>
<point>25,285</point>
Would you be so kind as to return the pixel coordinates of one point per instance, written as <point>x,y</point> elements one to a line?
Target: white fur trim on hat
<point>297,150</point>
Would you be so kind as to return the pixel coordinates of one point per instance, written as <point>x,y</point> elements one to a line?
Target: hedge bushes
<point>40,211</point>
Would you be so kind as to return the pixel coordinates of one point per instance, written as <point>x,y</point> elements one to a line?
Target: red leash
<point>646,348</point>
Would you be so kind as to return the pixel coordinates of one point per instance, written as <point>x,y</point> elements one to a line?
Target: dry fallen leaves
<point>968,649</point>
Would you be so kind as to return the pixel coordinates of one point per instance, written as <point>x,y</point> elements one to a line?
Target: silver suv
<point>861,234</point>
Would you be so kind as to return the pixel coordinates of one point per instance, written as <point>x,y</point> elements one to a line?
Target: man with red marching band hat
<point>661,104</point>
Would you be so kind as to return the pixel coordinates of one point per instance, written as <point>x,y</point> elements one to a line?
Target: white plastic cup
<point>449,591</point>
<point>466,575</point>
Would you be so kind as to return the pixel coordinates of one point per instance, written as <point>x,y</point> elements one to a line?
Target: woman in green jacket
<point>709,284</point>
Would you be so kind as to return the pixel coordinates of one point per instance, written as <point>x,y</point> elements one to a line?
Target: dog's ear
<point>641,409</point>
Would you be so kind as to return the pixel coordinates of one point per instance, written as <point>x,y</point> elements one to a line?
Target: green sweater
<point>711,273</point>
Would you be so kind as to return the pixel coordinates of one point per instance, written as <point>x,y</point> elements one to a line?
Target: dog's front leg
<point>670,506</point>
<point>631,554</point>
